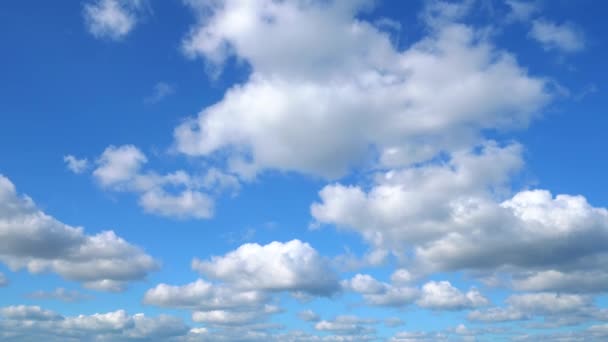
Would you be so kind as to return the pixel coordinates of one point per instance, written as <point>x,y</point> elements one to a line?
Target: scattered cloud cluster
<point>177,194</point>
<point>20,323</point>
<point>246,280</point>
<point>437,195</point>
<point>39,243</point>
<point>433,295</point>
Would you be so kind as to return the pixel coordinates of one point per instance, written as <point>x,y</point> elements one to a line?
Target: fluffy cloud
<point>27,322</point>
<point>563,37</point>
<point>227,317</point>
<point>448,215</point>
<point>497,315</point>
<point>416,204</point>
<point>111,19</point>
<point>201,295</point>
<point>40,243</point>
<point>381,294</point>
<point>174,194</point>
<point>291,266</point>
<point>352,90</point>
<point>346,325</point>
<point>434,295</point>
<point>119,165</point>
<point>309,316</point>
<point>76,165</point>
<point>28,313</point>
<point>556,310</point>
<point>443,296</point>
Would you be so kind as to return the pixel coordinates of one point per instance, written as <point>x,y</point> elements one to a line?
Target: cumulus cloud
<point>28,313</point>
<point>556,310</point>
<point>76,165</point>
<point>290,266</point>
<point>238,318</point>
<point>449,215</point>
<point>379,293</point>
<point>407,206</point>
<point>40,243</point>
<point>352,90</point>
<point>202,295</point>
<point>111,19</point>
<point>177,194</point>
<point>434,295</point>
<point>346,325</point>
<point>553,36</point>
<point>443,296</point>
<point>26,322</point>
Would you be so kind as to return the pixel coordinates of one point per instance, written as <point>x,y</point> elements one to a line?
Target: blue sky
<point>303,170</point>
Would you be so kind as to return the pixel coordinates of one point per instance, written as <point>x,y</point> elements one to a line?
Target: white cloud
<point>521,10</point>
<point>119,165</point>
<point>416,204</point>
<point>238,318</point>
<point>564,37</point>
<point>494,315</point>
<point>3,280</point>
<point>60,294</point>
<point>111,19</point>
<point>381,294</point>
<point>76,165</point>
<point>548,303</point>
<point>201,295</point>
<point>187,204</point>
<point>556,310</point>
<point>351,90</point>
<point>309,316</point>
<point>161,91</point>
<point>28,313</point>
<point>34,323</point>
<point>595,280</point>
<point>175,195</point>
<point>393,322</point>
<point>291,266</point>
<point>346,325</point>
<point>40,243</point>
<point>443,296</point>
<point>449,216</point>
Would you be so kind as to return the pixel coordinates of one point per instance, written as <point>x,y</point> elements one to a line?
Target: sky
<point>303,170</point>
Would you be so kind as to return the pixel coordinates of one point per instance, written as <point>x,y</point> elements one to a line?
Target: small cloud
<point>309,316</point>
<point>552,36</point>
<point>76,165</point>
<point>3,280</point>
<point>393,322</point>
<point>60,294</point>
<point>161,90</point>
<point>111,19</point>
<point>521,10</point>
